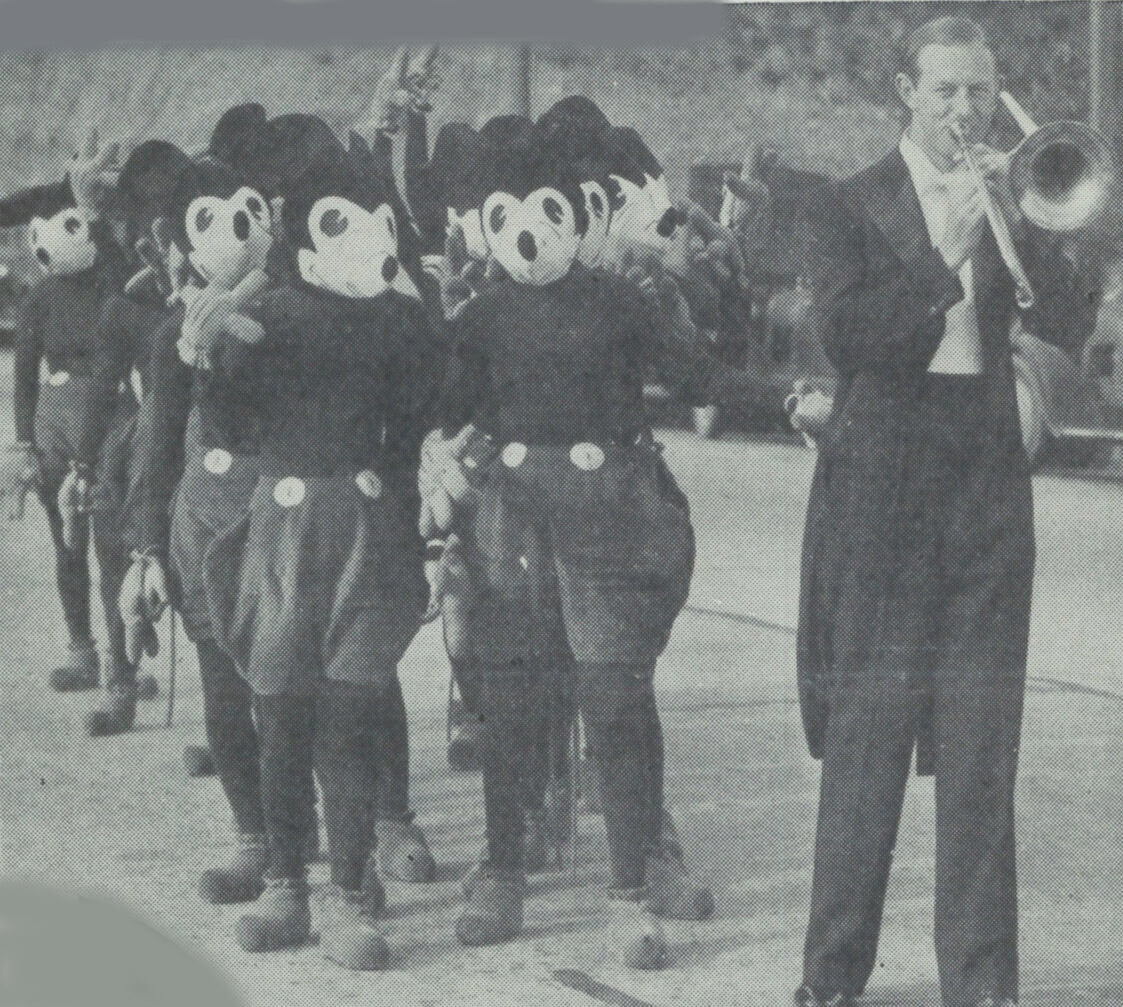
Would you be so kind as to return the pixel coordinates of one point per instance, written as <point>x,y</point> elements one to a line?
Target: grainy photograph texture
<point>525,520</point>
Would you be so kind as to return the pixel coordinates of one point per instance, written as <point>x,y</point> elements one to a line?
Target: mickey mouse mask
<point>344,231</point>
<point>575,130</point>
<point>62,243</point>
<point>534,217</point>
<point>642,213</point>
<point>228,237</point>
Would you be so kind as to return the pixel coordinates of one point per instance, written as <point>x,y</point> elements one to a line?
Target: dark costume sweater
<point>556,364</point>
<point>341,384</point>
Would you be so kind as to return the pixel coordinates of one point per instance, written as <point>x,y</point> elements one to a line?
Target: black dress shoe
<point>805,996</point>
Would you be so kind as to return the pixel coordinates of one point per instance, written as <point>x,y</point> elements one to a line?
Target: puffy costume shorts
<point>603,532</point>
<point>323,578</point>
<point>213,495</point>
<point>58,425</point>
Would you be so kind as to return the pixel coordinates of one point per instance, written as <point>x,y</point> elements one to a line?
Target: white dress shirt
<point>960,350</point>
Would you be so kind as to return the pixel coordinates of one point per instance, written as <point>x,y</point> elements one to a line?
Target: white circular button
<point>587,457</point>
<point>289,491</point>
<point>369,484</point>
<point>514,454</point>
<point>58,379</point>
<point>217,461</point>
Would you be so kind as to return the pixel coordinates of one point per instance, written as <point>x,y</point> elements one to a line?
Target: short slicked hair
<point>948,30</point>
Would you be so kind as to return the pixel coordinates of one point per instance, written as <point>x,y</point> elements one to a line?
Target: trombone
<point>1060,176</point>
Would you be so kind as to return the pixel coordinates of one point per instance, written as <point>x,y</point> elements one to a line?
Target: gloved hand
<point>401,90</point>
<point>74,501</point>
<point>94,173</point>
<point>213,312</point>
<point>143,598</point>
<point>20,473</point>
<point>809,407</point>
<point>459,275</point>
<point>445,477</point>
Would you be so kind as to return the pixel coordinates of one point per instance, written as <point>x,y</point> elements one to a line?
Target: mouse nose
<point>389,269</point>
<point>241,225</point>
<point>527,246</point>
<point>43,256</point>
<point>667,223</point>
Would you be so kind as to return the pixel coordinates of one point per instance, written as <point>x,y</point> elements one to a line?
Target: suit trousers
<point>956,615</point>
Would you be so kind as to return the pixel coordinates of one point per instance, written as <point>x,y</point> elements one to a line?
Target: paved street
<point>119,816</point>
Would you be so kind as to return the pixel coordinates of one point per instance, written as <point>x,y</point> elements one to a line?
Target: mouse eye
<point>616,194</point>
<point>73,225</point>
<point>203,219</point>
<point>596,203</point>
<point>553,209</point>
<point>333,223</point>
<point>255,206</point>
<point>496,219</point>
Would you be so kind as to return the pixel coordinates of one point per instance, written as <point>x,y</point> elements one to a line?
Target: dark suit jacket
<point>882,292</point>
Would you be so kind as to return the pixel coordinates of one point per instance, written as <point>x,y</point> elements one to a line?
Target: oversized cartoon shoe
<point>198,761</point>
<point>635,935</point>
<point>116,713</point>
<point>81,670</point>
<point>349,933</point>
<point>673,893</point>
<point>402,852</point>
<point>243,880</point>
<point>494,912</point>
<point>280,918</point>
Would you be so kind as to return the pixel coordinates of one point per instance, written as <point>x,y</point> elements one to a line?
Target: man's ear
<point>906,89</point>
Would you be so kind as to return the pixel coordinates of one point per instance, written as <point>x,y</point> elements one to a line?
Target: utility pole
<point>522,81</point>
<point>1105,79</point>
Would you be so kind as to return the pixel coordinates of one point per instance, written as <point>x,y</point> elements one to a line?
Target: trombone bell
<point>1061,175</point>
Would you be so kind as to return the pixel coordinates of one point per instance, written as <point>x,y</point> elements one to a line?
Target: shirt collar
<point>925,175</point>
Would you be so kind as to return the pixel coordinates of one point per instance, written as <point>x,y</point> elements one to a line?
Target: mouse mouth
<point>527,246</point>
<point>241,225</point>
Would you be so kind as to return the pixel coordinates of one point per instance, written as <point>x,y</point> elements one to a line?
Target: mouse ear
<point>35,201</point>
<point>236,132</point>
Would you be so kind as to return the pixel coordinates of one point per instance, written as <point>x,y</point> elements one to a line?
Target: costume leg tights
<point>618,704</point>
<point>72,572</point>
<point>227,713</point>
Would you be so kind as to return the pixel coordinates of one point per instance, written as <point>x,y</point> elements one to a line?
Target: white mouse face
<point>534,239</point>
<point>356,250</point>
<point>229,237</point>
<point>641,215</point>
<point>62,244</point>
<point>592,242</point>
<point>472,226</point>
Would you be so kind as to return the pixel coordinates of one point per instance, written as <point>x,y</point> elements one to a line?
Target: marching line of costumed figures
<point>308,410</point>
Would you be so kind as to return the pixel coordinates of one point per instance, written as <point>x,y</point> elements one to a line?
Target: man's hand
<point>459,275</point>
<point>965,222</point>
<point>20,473</point>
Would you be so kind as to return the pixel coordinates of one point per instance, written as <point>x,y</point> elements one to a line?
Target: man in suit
<point>919,548</point>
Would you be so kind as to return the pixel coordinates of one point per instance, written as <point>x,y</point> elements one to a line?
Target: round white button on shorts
<point>514,454</point>
<point>289,491</point>
<point>217,461</point>
<point>369,484</point>
<point>587,457</point>
<point>58,379</point>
